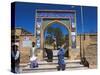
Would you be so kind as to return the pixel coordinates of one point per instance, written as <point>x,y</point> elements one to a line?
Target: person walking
<point>61,62</point>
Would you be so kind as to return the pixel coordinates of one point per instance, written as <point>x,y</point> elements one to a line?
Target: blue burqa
<point>61,54</point>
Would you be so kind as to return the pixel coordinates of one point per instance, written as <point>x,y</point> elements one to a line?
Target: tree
<point>57,33</point>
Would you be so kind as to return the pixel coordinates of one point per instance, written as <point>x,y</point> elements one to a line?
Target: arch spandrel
<point>65,23</point>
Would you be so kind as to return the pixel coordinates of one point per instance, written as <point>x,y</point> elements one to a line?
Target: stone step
<point>53,66</point>
<point>50,63</point>
<point>56,61</point>
<point>56,58</point>
<point>52,70</point>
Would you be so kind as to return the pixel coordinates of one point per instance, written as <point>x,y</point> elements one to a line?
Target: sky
<point>25,16</point>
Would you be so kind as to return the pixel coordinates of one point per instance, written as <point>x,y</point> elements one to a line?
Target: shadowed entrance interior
<point>55,35</point>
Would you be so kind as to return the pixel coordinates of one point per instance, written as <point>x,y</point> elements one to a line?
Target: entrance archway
<point>64,39</point>
<point>47,22</point>
<point>45,18</point>
<point>56,21</point>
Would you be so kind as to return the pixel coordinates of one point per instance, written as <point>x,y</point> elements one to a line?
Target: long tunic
<point>61,54</point>
<point>33,57</point>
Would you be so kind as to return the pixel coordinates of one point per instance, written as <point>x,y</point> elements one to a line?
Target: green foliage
<point>57,33</point>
